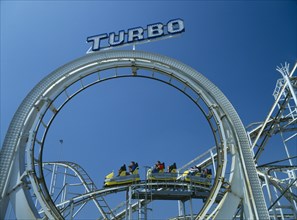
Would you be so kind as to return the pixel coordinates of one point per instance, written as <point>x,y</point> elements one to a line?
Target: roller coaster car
<point>122,179</point>
<point>196,178</point>
<point>161,175</point>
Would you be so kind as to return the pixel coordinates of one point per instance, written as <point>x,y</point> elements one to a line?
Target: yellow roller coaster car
<point>196,178</point>
<point>161,175</point>
<point>122,179</point>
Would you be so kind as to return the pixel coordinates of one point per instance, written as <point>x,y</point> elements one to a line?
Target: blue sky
<point>235,44</point>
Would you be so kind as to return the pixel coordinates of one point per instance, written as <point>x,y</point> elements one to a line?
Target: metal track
<point>23,144</point>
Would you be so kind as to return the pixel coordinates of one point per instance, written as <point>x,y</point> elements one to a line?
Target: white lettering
<point>175,26</point>
<point>155,30</point>
<point>120,38</point>
<point>135,34</point>
<point>96,41</point>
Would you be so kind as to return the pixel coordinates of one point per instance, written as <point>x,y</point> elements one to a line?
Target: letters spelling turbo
<point>156,30</point>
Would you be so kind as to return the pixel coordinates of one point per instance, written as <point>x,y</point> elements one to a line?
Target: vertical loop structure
<point>21,174</point>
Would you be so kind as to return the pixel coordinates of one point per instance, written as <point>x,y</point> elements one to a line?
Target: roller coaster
<point>157,174</point>
<point>240,187</point>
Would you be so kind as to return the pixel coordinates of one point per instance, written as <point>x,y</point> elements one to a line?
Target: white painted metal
<point>280,180</point>
<point>83,179</point>
<point>230,132</point>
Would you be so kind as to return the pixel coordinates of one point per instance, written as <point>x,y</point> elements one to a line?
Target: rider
<point>132,167</point>
<point>206,172</point>
<point>194,170</point>
<point>123,168</point>
<point>172,167</point>
<point>158,167</point>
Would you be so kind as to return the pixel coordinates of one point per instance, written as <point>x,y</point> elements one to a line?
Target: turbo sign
<point>137,34</point>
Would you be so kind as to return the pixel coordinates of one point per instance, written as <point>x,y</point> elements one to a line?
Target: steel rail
<point>270,130</point>
<point>268,117</point>
<point>21,130</point>
<point>80,174</point>
<point>122,65</point>
<point>221,167</point>
<point>120,188</point>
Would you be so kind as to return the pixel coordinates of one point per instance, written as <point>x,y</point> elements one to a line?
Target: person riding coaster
<point>123,177</point>
<point>158,173</point>
<point>194,175</point>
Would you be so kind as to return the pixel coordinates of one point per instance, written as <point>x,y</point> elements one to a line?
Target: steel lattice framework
<point>278,178</point>
<point>21,174</point>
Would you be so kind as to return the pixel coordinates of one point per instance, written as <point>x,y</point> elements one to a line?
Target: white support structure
<point>279,177</point>
<point>23,145</point>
